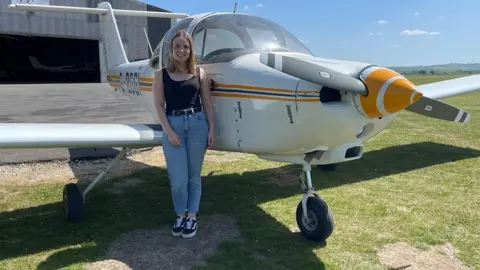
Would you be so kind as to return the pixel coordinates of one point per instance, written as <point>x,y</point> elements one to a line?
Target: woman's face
<point>181,49</point>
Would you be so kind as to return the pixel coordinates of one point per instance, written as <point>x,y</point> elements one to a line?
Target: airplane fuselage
<point>259,109</point>
<point>268,113</point>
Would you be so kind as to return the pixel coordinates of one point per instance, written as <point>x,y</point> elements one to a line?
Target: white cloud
<point>374,34</point>
<point>418,32</point>
<point>259,5</point>
<point>382,22</point>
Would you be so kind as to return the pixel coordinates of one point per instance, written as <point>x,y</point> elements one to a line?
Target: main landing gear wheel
<point>314,217</point>
<point>74,199</point>
<point>73,202</point>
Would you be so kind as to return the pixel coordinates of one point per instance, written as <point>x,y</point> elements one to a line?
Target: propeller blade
<point>311,72</point>
<point>437,109</point>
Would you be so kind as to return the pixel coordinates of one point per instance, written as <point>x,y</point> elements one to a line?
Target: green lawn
<point>424,79</point>
<point>417,183</point>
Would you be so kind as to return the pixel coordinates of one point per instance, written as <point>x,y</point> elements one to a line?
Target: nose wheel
<point>314,217</point>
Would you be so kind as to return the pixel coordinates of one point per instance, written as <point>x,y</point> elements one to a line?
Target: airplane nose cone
<point>388,92</point>
<point>399,93</point>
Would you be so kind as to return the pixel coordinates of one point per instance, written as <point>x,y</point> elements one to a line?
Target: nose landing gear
<point>314,217</point>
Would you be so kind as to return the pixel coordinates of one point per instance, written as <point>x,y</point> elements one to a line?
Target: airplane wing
<point>449,88</point>
<point>430,106</point>
<point>60,135</point>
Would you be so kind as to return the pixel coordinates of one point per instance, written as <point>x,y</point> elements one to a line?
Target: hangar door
<point>32,59</point>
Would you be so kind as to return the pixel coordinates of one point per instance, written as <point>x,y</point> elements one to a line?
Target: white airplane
<point>272,98</point>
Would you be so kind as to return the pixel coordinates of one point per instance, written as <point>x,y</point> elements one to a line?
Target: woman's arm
<point>159,101</point>
<point>207,99</point>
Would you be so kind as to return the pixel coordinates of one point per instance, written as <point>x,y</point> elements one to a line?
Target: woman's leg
<point>177,168</point>
<point>197,139</point>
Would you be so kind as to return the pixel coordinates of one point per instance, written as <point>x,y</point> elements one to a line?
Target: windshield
<point>223,37</point>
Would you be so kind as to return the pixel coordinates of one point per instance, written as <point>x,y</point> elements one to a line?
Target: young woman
<point>187,122</point>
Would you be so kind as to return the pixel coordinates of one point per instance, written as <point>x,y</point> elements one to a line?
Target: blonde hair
<point>173,64</point>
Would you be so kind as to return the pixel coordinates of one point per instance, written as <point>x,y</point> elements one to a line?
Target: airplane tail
<point>112,43</point>
<point>35,63</point>
<point>114,51</point>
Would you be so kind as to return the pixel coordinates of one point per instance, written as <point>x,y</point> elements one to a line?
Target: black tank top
<point>181,95</point>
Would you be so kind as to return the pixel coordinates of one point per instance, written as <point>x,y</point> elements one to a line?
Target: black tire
<point>73,202</point>
<point>327,167</point>
<point>323,220</point>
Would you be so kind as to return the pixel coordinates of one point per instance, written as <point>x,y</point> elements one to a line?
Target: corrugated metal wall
<point>72,25</point>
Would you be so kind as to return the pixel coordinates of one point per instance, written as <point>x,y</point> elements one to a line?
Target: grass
<point>417,183</point>
<point>424,79</point>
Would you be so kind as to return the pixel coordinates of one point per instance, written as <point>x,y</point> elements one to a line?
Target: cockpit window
<point>223,37</point>
<point>155,59</point>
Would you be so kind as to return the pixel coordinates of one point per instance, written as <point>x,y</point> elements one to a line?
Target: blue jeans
<point>184,162</point>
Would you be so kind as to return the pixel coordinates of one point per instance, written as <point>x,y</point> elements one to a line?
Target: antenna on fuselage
<point>235,7</point>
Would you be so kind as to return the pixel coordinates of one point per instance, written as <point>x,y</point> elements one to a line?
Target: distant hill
<point>452,68</point>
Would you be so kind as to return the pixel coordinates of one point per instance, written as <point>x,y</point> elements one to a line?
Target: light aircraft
<point>65,68</point>
<point>272,98</point>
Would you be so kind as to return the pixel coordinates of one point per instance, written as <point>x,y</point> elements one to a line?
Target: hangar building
<point>56,47</point>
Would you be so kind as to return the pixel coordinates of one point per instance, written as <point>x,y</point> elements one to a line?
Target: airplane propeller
<point>308,71</point>
<point>436,109</point>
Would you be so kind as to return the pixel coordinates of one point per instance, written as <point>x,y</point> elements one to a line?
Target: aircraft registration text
<point>130,83</point>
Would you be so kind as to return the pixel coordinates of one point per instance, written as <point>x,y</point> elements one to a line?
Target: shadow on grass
<point>394,160</point>
<point>147,205</point>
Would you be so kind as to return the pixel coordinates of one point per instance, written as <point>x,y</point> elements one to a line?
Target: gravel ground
<point>86,170</point>
<point>157,249</point>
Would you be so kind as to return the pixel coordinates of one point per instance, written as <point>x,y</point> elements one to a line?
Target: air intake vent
<point>353,152</point>
<point>328,94</point>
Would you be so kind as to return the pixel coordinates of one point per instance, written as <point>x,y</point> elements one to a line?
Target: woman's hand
<point>173,138</point>
<point>210,139</point>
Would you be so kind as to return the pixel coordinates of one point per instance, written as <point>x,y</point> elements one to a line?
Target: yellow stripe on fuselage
<point>249,96</point>
<point>261,88</point>
<point>146,79</point>
<point>219,91</point>
<point>265,93</point>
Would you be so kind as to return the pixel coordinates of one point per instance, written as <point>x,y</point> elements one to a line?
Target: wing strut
<point>74,200</point>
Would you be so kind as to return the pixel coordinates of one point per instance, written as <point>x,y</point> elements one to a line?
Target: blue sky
<point>386,32</point>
